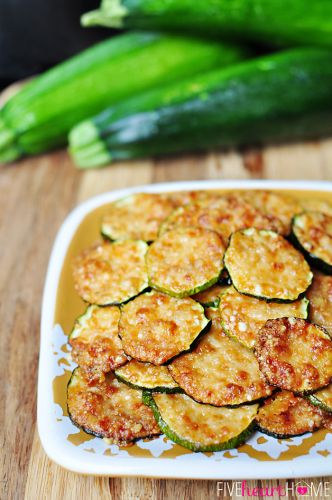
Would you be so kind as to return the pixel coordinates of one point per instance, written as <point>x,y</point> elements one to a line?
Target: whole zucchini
<point>41,114</point>
<point>273,22</point>
<point>279,97</point>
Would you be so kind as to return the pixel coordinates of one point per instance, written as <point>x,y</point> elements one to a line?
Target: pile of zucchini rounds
<point>209,316</point>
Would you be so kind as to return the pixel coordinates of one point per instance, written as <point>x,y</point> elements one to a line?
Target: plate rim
<point>150,467</point>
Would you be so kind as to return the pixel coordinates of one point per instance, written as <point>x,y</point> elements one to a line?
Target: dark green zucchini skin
<point>235,442</point>
<point>313,260</point>
<point>40,116</point>
<point>273,22</point>
<point>280,97</point>
<point>167,390</point>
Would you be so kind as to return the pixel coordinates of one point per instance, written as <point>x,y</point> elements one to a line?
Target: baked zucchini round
<point>285,415</point>
<point>314,205</point>
<point>312,233</point>
<point>320,297</point>
<point>219,371</point>
<point>211,296</point>
<point>294,354</point>
<point>155,327</point>
<point>201,427</point>
<point>96,346</point>
<point>265,265</point>
<point>111,273</point>
<point>147,376</point>
<point>185,261</point>
<point>109,409</point>
<point>136,217</point>
<point>275,205</point>
<point>322,398</point>
<point>243,316</point>
<point>222,214</point>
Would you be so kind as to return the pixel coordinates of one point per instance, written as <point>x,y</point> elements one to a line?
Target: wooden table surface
<point>35,196</point>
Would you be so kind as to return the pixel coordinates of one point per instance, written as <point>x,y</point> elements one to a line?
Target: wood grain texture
<point>35,196</point>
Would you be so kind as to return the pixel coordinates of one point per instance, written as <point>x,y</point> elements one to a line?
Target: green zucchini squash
<point>39,117</point>
<point>280,97</point>
<point>274,22</point>
<point>201,427</point>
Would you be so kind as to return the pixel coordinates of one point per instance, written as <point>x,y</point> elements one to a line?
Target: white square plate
<point>261,457</point>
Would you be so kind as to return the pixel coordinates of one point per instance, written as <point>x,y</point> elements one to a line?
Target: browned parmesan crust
<point>183,262</point>
<point>201,427</point>
<point>320,296</point>
<point>147,376</point>
<point>155,327</point>
<point>219,371</point>
<point>322,398</point>
<point>312,232</point>
<point>265,265</point>
<point>211,296</point>
<point>275,205</point>
<point>315,205</point>
<point>96,345</point>
<point>242,316</point>
<point>285,415</point>
<point>224,215</point>
<point>136,217</point>
<point>111,273</point>
<point>109,409</point>
<point>294,354</point>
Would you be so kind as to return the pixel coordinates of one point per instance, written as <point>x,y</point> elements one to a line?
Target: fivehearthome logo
<point>303,489</point>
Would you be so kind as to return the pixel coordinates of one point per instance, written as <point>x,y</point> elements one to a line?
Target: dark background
<point>36,34</point>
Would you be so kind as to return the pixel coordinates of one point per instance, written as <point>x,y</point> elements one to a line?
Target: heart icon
<point>302,490</point>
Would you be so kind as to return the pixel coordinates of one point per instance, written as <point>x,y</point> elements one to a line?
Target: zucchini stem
<point>9,151</point>
<point>110,14</point>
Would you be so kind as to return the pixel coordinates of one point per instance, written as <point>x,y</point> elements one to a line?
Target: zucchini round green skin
<point>136,217</point>
<point>294,355</point>
<point>185,261</point>
<point>278,22</point>
<point>286,415</point>
<point>243,316</point>
<point>155,327</point>
<point>280,97</point>
<point>260,262</point>
<point>111,273</point>
<point>187,440</point>
<point>322,398</point>
<point>96,346</point>
<point>40,116</point>
<point>315,240</point>
<point>108,409</point>
<point>147,376</point>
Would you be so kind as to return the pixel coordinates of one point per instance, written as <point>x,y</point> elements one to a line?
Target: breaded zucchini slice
<point>219,371</point>
<point>211,296</point>
<point>201,427</point>
<point>180,198</point>
<point>136,217</point>
<point>109,409</point>
<point>314,205</point>
<point>155,327</point>
<point>284,415</point>
<point>96,345</point>
<point>147,376</point>
<point>185,261</point>
<point>320,297</point>
<point>322,398</point>
<point>294,354</point>
<point>276,205</point>
<point>222,214</point>
<point>312,233</point>
<point>111,273</point>
<point>243,316</point>
<point>265,265</point>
